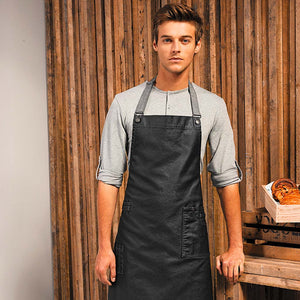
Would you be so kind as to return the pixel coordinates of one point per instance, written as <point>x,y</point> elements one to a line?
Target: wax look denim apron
<point>161,247</point>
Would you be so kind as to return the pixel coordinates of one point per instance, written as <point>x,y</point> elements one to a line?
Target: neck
<point>166,81</point>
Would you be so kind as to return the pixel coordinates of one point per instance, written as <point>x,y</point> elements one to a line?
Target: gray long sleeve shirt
<point>117,132</point>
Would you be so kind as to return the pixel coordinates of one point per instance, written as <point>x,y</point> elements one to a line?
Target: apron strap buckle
<point>137,117</point>
<point>197,120</point>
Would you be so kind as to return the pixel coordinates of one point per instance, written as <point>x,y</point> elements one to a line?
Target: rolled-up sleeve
<point>223,167</point>
<point>112,158</point>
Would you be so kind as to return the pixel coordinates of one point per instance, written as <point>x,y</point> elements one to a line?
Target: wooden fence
<point>250,56</point>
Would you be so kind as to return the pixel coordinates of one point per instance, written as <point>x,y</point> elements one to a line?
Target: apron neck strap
<point>145,95</point>
<point>144,98</point>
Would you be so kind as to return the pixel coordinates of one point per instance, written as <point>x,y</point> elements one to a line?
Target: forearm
<point>230,201</point>
<point>106,204</point>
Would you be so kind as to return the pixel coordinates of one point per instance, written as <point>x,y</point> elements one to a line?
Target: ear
<point>154,46</point>
<point>198,46</point>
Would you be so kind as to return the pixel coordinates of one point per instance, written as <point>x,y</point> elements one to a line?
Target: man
<point>161,249</point>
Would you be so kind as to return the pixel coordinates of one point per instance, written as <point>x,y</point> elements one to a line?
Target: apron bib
<point>161,247</point>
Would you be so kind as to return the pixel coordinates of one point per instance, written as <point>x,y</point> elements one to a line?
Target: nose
<point>175,46</point>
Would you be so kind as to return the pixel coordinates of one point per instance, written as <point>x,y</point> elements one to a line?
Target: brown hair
<point>177,12</point>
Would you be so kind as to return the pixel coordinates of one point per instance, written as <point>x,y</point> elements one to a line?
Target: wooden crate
<point>266,238</point>
<point>280,213</point>
<point>271,272</point>
<point>272,253</point>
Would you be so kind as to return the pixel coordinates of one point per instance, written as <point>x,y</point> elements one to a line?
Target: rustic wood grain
<point>297,85</point>
<point>258,86</point>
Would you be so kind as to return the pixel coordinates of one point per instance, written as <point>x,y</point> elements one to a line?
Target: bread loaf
<point>286,191</point>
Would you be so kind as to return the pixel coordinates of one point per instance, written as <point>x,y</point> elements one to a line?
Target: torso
<point>175,103</point>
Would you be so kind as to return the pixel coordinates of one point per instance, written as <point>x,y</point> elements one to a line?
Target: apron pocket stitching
<point>193,233</point>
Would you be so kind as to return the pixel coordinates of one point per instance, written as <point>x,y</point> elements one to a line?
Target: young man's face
<point>176,45</point>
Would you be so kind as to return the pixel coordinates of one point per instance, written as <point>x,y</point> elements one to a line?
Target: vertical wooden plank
<point>101,63</point>
<point>128,27</point>
<point>292,89</point>
<point>275,118</point>
<point>265,91</point>
<point>201,61</point>
<point>241,96</point>
<point>213,46</point>
<point>50,33</point>
<point>72,151</point>
<point>139,40</point>
<point>90,132</point>
<point>233,57</point>
<point>118,44</point>
<point>238,292</point>
<point>78,105</point>
<point>258,82</point>
<point>249,113</point>
<point>285,30</point>
<point>147,42</point>
<point>297,92</point>
<point>224,69</point>
<point>279,69</point>
<point>109,50</point>
<point>61,192</point>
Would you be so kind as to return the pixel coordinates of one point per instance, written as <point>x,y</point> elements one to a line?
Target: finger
<point>103,276</point>
<point>230,273</point>
<point>225,269</point>
<point>242,268</point>
<point>236,271</point>
<point>218,265</point>
<point>97,271</point>
<point>113,271</point>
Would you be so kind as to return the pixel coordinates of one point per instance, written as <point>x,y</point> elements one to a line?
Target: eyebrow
<point>185,36</point>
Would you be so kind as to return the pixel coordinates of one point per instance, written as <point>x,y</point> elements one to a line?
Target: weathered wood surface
<point>272,235</point>
<point>266,238</point>
<point>271,272</point>
<point>264,250</point>
<point>262,217</point>
<point>250,56</point>
<point>268,273</point>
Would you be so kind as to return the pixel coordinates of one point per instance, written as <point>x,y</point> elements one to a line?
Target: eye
<point>185,41</point>
<point>167,40</point>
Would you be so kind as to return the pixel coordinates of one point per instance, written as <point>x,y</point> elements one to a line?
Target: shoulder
<point>127,102</point>
<point>212,107</point>
<point>130,96</point>
<point>207,98</point>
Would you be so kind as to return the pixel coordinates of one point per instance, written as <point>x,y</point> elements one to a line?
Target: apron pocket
<point>119,253</point>
<point>194,239</point>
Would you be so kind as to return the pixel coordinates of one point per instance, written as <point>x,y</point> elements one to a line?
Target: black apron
<point>161,246</point>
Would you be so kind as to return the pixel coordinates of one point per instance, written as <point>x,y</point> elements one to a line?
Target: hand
<point>231,264</point>
<point>105,260</point>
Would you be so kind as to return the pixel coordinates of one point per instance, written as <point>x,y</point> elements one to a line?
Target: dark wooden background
<point>250,56</point>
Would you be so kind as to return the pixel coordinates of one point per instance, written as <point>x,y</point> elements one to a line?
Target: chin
<point>177,71</point>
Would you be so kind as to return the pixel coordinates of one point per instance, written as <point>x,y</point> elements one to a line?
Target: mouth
<point>175,59</point>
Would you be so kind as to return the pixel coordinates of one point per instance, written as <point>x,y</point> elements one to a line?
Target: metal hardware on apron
<point>161,246</point>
